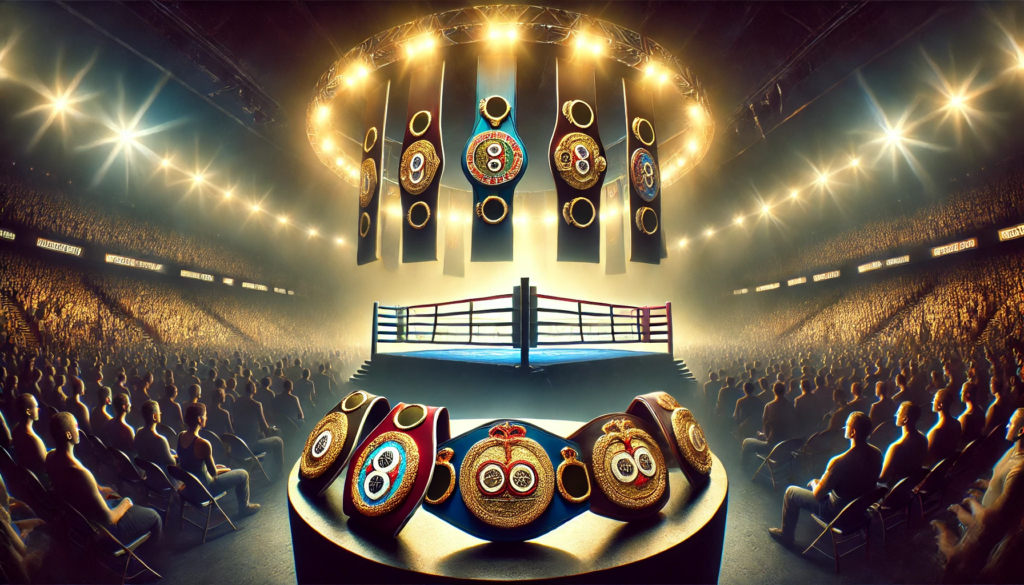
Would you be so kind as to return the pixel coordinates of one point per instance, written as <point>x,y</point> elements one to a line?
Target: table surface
<point>587,543</point>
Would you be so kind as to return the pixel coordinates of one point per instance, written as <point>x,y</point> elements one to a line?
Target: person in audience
<point>219,417</point>
<point>195,394</point>
<point>195,455</point>
<point>884,408</point>
<point>251,426</point>
<point>1000,410</point>
<point>847,477</point>
<point>907,454</point>
<point>29,449</point>
<point>840,410</point>
<point>747,406</point>
<point>305,389</point>
<point>858,403</point>
<point>778,424</point>
<point>54,394</point>
<point>727,397</point>
<point>806,408</point>
<point>322,381</point>
<point>972,420</point>
<point>150,444</point>
<point>120,434</point>
<point>207,387</point>
<point>77,486</point>
<point>265,394</point>
<point>76,407</point>
<point>170,410</point>
<point>100,416</point>
<point>119,385</point>
<point>944,437</point>
<point>288,407</point>
<point>192,378</point>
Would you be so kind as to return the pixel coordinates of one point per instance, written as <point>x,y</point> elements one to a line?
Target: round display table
<point>682,544</point>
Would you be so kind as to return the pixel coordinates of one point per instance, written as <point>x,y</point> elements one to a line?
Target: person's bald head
<point>64,429</point>
<point>122,404</point>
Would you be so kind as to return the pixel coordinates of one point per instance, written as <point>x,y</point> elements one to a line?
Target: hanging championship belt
<point>644,175</point>
<point>370,172</point>
<point>625,465</point>
<point>494,159</point>
<point>331,442</point>
<point>392,467</point>
<point>419,173</point>
<point>508,480</point>
<point>680,434</point>
<point>577,163</point>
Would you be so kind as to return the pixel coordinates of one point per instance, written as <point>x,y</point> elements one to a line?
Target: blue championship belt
<point>494,159</point>
<point>508,480</point>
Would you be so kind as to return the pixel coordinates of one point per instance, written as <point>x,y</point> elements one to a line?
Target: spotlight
<point>327,145</point>
<point>312,233</point>
<point>362,72</point>
<point>493,34</point>
<point>348,81</point>
<point>511,34</point>
<point>339,161</point>
<point>339,241</point>
<point>823,179</point>
<point>709,232</point>
<point>957,102</point>
<point>127,136</point>
<point>596,48</point>
<point>165,163</point>
<point>766,208</point>
<point>680,162</point>
<point>693,146</point>
<point>428,44</point>
<point>649,70</point>
<point>893,135</point>
<point>739,220</point>
<point>282,219</point>
<point>663,78</point>
<point>696,113</point>
<point>855,162</point>
<point>794,194</point>
<point>60,104</point>
<point>228,194</point>
<point>410,50</point>
<point>683,242</point>
<point>322,113</point>
<point>197,179</point>
<point>256,208</point>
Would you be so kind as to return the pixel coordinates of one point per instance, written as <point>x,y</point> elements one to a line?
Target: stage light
<point>823,179</point>
<point>551,219</point>
<point>354,174</point>
<point>739,220</point>
<point>596,48</point>
<point>126,136</point>
<point>794,194</point>
<point>683,242</point>
<point>327,145</point>
<point>428,44</point>
<point>165,163</point>
<point>348,81</point>
<point>893,135</point>
<point>339,241</point>
<point>581,43</point>
<point>693,146</point>
<point>709,232</point>
<point>766,208</point>
<point>322,113</point>
<point>282,219</point>
<point>313,233</point>
<point>957,102</point>
<point>228,194</point>
<point>256,208</point>
<point>197,179</point>
<point>649,70</point>
<point>855,162</point>
<point>680,162</point>
<point>60,104</point>
<point>339,161</point>
<point>492,34</point>
<point>696,113</point>
<point>663,78</point>
<point>410,50</point>
<point>511,34</point>
<point>362,72</point>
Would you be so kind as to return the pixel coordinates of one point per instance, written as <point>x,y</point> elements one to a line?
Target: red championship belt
<point>391,469</point>
<point>681,434</point>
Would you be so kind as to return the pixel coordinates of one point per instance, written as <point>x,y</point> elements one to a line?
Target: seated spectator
<point>884,408</point>
<point>806,408</point>
<point>207,387</point>
<point>840,410</point>
<point>1000,410</point>
<point>907,454</point>
<point>858,403</point>
<point>265,395</point>
<point>170,411</point>
<point>54,395</point>
<point>100,417</point>
<point>847,477</point>
<point>765,395</point>
<point>76,407</point>
<point>195,394</point>
<point>727,397</point>
<point>76,485</point>
<point>305,389</point>
<point>944,437</point>
<point>287,406</point>
<point>972,421</point>
<point>149,443</point>
<point>778,424</point>
<point>748,406</point>
<point>29,449</point>
<point>219,417</point>
<point>251,426</point>
<point>195,455</point>
<point>119,385</point>
<point>119,434</point>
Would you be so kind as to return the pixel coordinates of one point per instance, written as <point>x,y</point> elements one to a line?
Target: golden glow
<point>511,34</point>
<point>893,136</point>
<point>823,179</point>
<point>693,146</point>
<point>683,242</point>
<point>663,78</point>
<point>709,232</point>
<point>322,113</point>
<point>313,233</point>
<point>327,145</point>
<point>256,208</point>
<point>126,136</point>
<point>197,179</point>
<point>766,208</point>
<point>228,194</point>
<point>362,71</point>
<point>348,81</point>
<point>282,219</point>
<point>339,241</point>
<point>794,194</point>
<point>680,162</point>
<point>738,220</point>
<point>855,162</point>
<point>339,161</point>
<point>649,70</point>
<point>165,163</point>
<point>696,113</point>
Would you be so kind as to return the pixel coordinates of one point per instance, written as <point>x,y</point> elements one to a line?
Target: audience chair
<point>110,553</point>
<point>84,451</point>
<point>8,468</point>
<point>852,522</point>
<point>894,509</point>
<point>220,451</point>
<point>931,489</point>
<point>168,433</point>
<point>239,451</point>
<point>106,468</point>
<point>819,448</point>
<point>46,412</point>
<point>992,448</point>
<point>780,455</point>
<point>206,502</point>
<point>884,434</point>
<point>126,471</point>
<point>36,495</point>
<point>967,458</point>
<point>747,429</point>
<point>157,485</point>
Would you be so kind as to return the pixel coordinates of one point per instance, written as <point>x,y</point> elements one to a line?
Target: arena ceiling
<point>241,74</point>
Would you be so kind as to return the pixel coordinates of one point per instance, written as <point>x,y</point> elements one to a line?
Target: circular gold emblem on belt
<point>323,445</point>
<point>368,182</point>
<point>364,224</point>
<point>418,166</point>
<point>570,207</point>
<point>628,465</point>
<point>385,472</point>
<point>578,160</point>
<point>507,480</point>
<point>690,438</point>
<point>489,219</point>
<point>643,220</point>
<point>426,219</point>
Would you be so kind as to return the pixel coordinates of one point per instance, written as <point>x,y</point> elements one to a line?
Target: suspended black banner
<point>644,175</point>
<point>371,173</point>
<point>419,171</point>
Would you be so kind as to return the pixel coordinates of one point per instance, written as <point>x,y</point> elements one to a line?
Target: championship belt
<point>681,434</point>
<point>508,480</point>
<point>494,159</point>
<point>330,444</point>
<point>419,175</point>
<point>644,175</point>
<point>393,466</point>
<point>577,163</point>
<point>625,465</point>
<point>370,172</point>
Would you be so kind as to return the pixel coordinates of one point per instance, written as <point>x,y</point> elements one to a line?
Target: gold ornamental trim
<point>412,463</point>
<point>480,210</point>
<point>690,438</point>
<point>370,139</point>
<point>429,164</point>
<point>410,425</point>
<point>412,121</point>
<point>354,400</point>
<point>641,225</point>
<point>408,216</point>
<point>637,126</point>
<point>364,224</point>
<point>567,112</point>
<point>323,445</point>
<point>578,160</point>
<point>567,212</point>
<point>368,184</point>
<point>495,120</point>
<point>625,484</point>
<point>667,401</point>
<point>444,459</point>
<point>569,460</point>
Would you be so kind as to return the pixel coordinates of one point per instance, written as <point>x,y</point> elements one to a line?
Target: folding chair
<point>239,451</point>
<point>156,484</point>
<point>966,459</point>
<point>781,454</point>
<point>220,450</point>
<point>819,448</point>
<point>883,435</point>
<point>126,470</point>
<point>894,509</point>
<point>8,468</point>
<point>206,501</point>
<point>168,433</point>
<point>36,495</point>
<point>84,451</point>
<point>933,486</point>
<point>112,555</point>
<point>747,429</point>
<point>852,522</point>
<point>104,461</point>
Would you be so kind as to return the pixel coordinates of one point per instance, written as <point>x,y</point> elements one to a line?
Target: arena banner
<point>1005,235</point>
<point>826,276</point>
<point>741,291</point>
<point>280,291</point>
<point>371,173</point>
<point>765,287</point>
<point>577,162</point>
<point>6,235</point>
<point>204,277</point>
<point>644,175</point>
<point>869,266</point>
<point>954,247</point>
<point>796,281</point>
<point>897,260</point>
<point>58,247</point>
<point>254,286</point>
<point>422,163</point>
<point>291,293</point>
<point>133,263</point>
<point>226,280</point>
